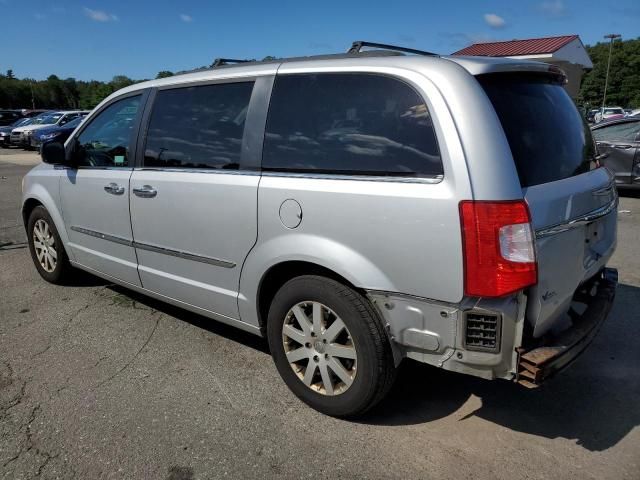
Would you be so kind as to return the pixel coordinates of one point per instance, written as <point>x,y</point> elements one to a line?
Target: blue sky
<point>97,39</point>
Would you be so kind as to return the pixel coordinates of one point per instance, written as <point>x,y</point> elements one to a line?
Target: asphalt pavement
<point>99,382</point>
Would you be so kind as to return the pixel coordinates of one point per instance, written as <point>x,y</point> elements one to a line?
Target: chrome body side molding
<point>166,251</point>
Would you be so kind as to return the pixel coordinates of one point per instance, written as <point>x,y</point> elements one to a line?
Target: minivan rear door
<point>572,201</point>
<point>193,208</point>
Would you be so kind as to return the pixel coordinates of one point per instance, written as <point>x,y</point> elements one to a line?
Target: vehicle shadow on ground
<point>594,402</point>
<point>629,192</point>
<point>217,328</point>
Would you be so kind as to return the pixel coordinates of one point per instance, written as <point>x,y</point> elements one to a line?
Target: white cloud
<point>186,18</point>
<point>99,15</point>
<point>494,21</point>
<point>554,8</point>
<point>39,16</point>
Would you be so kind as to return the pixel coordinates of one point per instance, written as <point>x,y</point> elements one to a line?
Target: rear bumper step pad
<point>539,363</point>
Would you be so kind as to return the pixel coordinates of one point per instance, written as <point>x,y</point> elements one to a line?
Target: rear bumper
<point>538,363</point>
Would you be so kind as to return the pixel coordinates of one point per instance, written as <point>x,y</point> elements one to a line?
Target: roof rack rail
<point>226,61</point>
<point>357,46</point>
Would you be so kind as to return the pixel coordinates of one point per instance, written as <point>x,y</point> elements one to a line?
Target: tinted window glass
<point>349,123</point>
<point>549,139</point>
<point>106,140</point>
<point>198,127</point>
<point>620,131</point>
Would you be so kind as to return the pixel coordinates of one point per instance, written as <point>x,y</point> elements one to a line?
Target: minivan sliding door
<point>193,206</point>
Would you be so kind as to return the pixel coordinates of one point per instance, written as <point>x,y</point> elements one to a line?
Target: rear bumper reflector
<point>539,363</point>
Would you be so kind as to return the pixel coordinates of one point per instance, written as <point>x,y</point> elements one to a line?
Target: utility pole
<point>33,100</point>
<point>611,37</point>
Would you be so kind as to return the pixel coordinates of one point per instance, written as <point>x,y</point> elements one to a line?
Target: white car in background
<point>609,113</point>
<point>21,136</point>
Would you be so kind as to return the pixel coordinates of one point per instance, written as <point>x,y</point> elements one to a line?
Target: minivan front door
<point>193,211</point>
<point>95,193</point>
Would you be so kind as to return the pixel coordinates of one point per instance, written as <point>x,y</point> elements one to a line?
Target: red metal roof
<point>511,48</point>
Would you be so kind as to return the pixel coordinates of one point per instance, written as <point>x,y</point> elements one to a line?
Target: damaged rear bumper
<point>552,354</point>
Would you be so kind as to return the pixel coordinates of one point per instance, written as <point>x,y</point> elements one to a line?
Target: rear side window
<point>362,124</point>
<point>198,127</point>
<point>549,139</point>
<point>620,131</point>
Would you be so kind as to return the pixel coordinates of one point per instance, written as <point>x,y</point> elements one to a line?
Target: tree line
<point>54,92</point>
<point>624,75</point>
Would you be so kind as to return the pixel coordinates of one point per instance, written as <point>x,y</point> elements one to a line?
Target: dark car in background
<point>55,133</point>
<point>591,115</point>
<point>5,131</point>
<point>618,142</point>
<point>7,117</point>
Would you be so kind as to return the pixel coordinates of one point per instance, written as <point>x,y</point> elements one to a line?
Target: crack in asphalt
<point>146,342</point>
<point>26,428</point>
<point>17,400</point>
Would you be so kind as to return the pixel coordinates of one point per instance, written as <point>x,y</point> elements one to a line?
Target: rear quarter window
<point>621,131</point>
<point>548,137</point>
<point>359,124</point>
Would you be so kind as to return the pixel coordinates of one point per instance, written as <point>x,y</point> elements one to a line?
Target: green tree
<point>10,74</point>
<point>624,75</point>
<point>164,74</point>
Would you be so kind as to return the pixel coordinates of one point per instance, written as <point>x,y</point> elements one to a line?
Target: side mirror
<point>53,153</point>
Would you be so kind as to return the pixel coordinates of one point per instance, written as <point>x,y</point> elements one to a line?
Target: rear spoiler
<point>484,65</point>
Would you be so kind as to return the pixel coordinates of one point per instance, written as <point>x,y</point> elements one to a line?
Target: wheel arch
<point>281,273</point>
<point>270,264</point>
<point>39,196</point>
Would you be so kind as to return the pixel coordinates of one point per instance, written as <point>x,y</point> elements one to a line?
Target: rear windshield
<point>548,137</point>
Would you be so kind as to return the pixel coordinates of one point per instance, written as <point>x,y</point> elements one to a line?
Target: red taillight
<point>497,239</point>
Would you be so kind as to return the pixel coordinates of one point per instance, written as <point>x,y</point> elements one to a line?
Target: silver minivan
<point>355,209</point>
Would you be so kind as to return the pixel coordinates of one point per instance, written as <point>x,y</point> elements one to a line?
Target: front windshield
<point>74,123</point>
<point>611,111</point>
<point>21,122</point>
<point>47,119</point>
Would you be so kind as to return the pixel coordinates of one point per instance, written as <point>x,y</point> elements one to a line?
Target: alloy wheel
<point>45,245</point>
<point>319,348</point>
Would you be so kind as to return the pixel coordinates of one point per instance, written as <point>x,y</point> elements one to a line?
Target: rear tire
<point>329,346</point>
<point>47,251</point>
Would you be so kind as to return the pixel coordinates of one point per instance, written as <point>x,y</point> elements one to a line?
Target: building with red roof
<point>567,52</point>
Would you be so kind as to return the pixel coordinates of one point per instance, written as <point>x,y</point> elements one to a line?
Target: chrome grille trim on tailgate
<point>580,220</point>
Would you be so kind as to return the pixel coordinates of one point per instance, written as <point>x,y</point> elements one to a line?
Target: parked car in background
<point>21,136</point>
<point>7,117</point>
<point>609,113</point>
<point>618,142</point>
<point>58,133</point>
<point>355,209</point>
<point>5,132</point>
<point>26,112</point>
<point>591,115</point>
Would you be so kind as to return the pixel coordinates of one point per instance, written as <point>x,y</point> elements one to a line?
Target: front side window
<point>67,118</point>
<point>621,131</point>
<point>344,123</point>
<point>106,141</point>
<point>198,127</point>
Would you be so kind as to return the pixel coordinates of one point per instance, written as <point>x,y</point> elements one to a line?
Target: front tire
<point>329,346</point>
<point>46,248</point>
